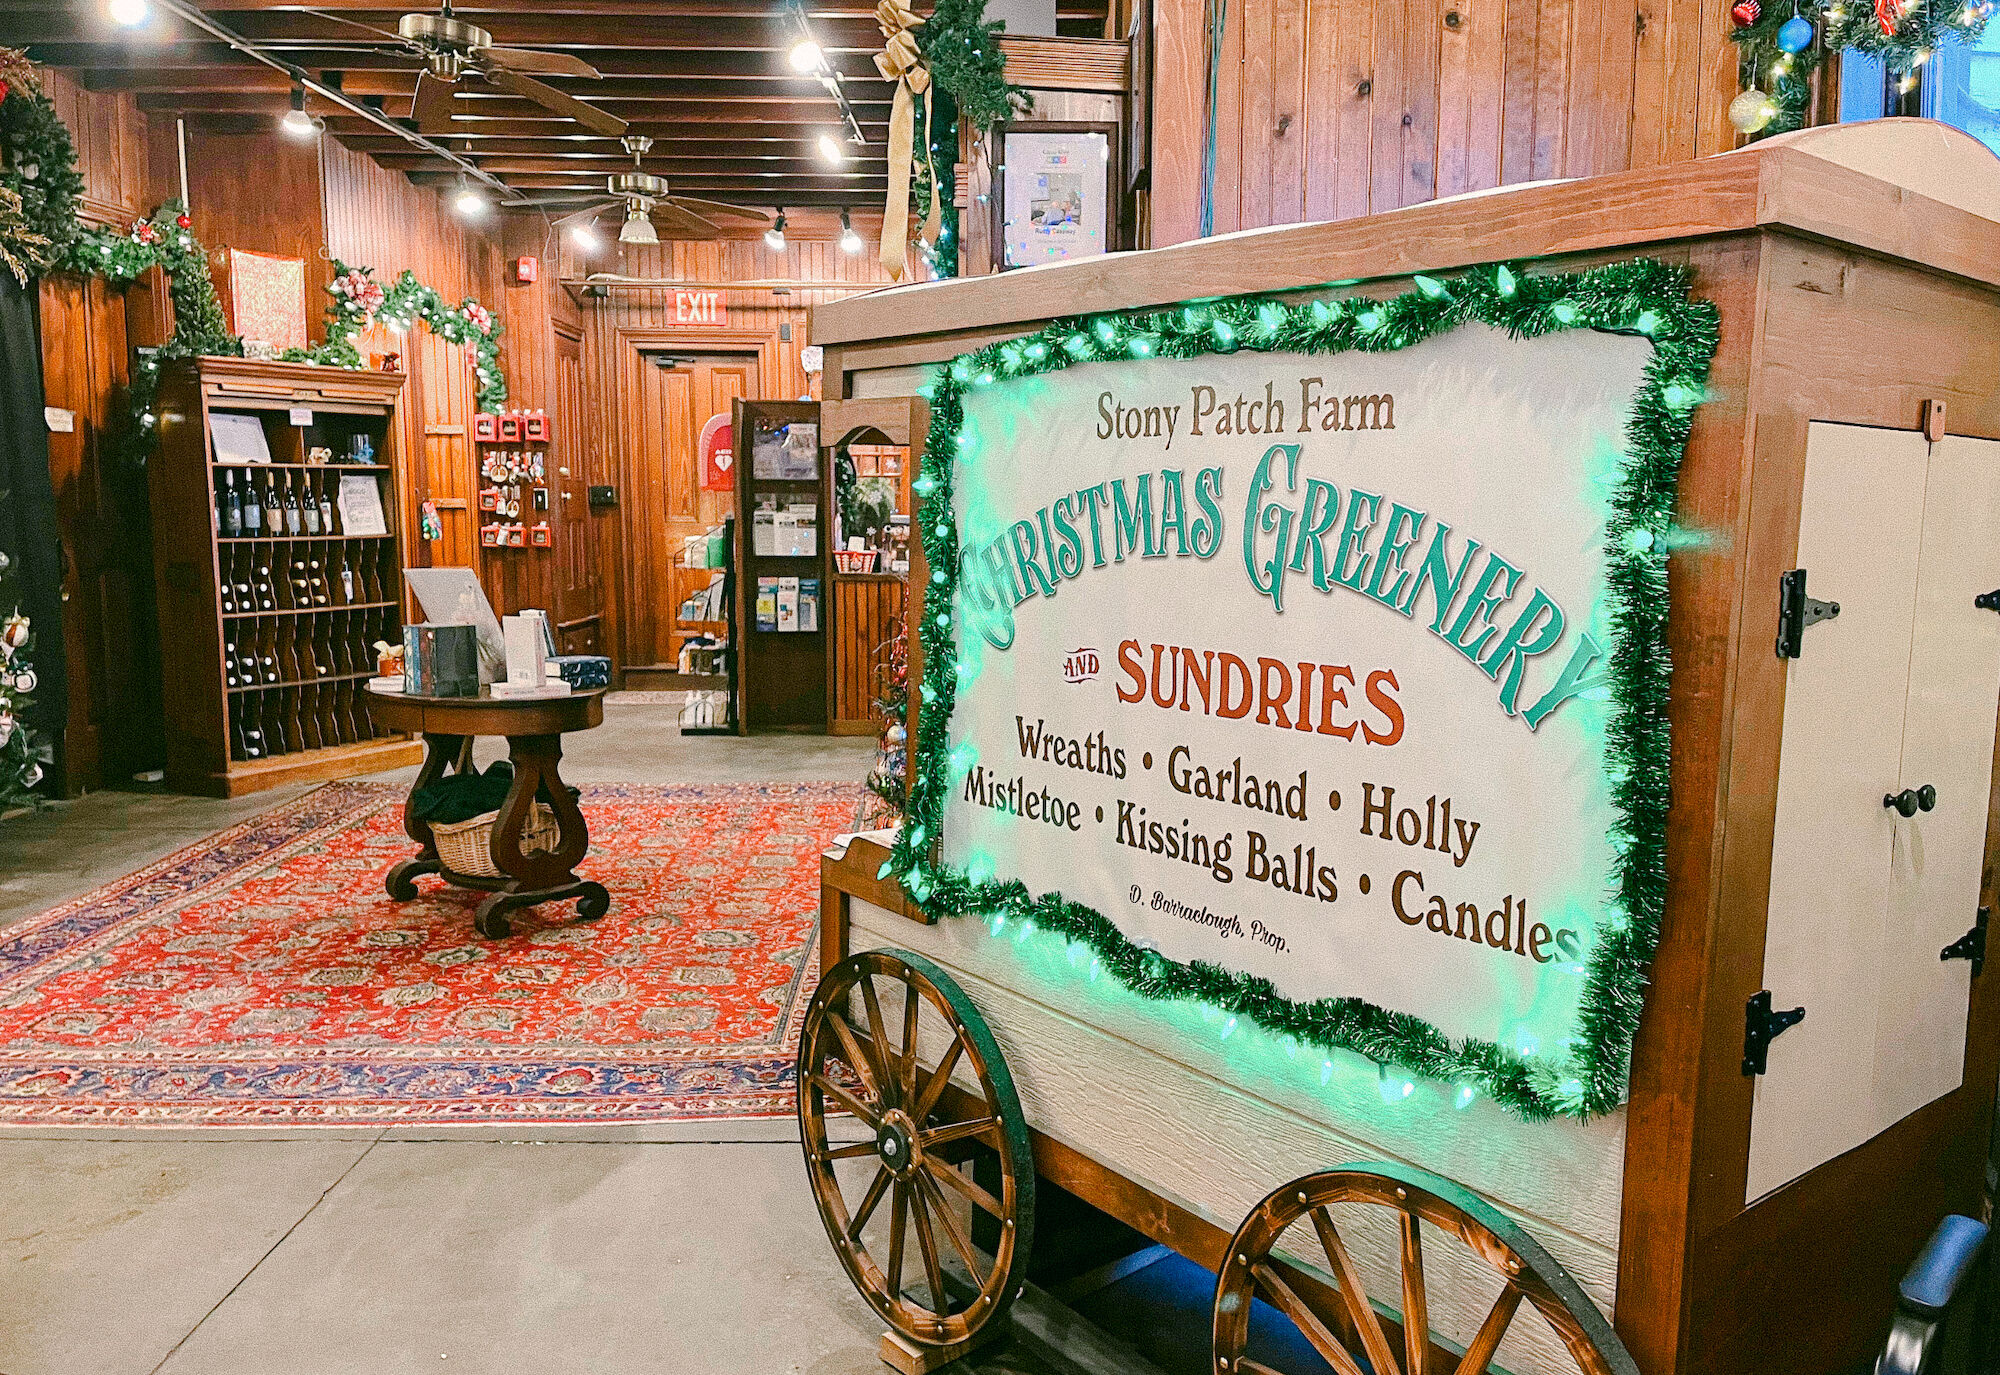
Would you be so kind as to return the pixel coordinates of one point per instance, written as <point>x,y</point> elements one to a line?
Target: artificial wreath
<point>39,182</point>
<point>1780,45</point>
<point>356,301</point>
<point>970,87</point>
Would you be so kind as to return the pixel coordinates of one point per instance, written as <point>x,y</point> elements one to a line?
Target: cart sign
<point>1296,665</point>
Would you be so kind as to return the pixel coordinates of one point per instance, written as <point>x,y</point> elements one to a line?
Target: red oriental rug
<point>261,977</point>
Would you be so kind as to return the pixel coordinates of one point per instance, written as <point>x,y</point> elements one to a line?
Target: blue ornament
<point>1795,35</point>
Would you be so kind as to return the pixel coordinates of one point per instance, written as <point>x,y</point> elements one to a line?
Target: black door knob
<point>1910,801</point>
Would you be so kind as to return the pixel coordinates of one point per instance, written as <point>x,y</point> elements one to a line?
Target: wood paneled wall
<point>624,444</point>
<point>110,136</point>
<point>1329,109</point>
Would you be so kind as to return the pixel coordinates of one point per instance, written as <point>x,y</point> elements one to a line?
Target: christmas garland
<point>1641,297</point>
<point>1780,46</point>
<point>22,752</point>
<point>970,87</point>
<point>357,301</point>
<point>39,182</point>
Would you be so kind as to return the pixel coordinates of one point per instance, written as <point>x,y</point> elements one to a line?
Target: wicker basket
<point>466,847</point>
<point>854,560</point>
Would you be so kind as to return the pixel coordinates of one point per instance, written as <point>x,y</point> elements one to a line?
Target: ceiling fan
<point>642,195</point>
<point>454,51</point>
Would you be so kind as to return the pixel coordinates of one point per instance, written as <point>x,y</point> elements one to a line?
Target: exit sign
<point>698,308</point>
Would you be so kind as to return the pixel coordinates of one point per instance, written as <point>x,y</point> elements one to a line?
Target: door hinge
<point>1761,1026</point>
<point>1971,945</point>
<point>1796,611</point>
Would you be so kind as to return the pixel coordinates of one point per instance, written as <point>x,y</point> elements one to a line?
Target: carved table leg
<point>440,752</point>
<point>543,875</point>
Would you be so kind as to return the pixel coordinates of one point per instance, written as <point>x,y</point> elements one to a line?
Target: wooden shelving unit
<point>266,639</point>
<point>780,674</point>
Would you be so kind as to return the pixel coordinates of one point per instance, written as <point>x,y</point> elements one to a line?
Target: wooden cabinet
<point>780,663</point>
<point>1896,692</point>
<point>267,628</point>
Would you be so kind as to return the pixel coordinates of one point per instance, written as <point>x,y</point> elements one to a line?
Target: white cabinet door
<point>1898,692</point>
<point>1947,744</point>
<point>1860,523</point>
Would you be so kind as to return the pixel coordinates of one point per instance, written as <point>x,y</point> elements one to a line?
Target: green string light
<point>1583,1079</point>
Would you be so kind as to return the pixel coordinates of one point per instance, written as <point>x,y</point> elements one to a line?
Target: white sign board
<point>1293,664</point>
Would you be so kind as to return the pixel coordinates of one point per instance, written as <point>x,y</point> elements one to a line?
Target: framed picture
<point>1059,192</point>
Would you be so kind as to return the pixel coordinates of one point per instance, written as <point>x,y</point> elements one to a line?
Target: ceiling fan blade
<point>563,103</point>
<point>723,208</point>
<point>589,212</point>
<point>434,103</point>
<point>673,207</point>
<point>540,63</point>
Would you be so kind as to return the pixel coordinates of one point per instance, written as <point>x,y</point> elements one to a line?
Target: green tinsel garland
<point>1917,31</point>
<point>969,84</point>
<point>1639,296</point>
<point>357,300</point>
<point>38,164</point>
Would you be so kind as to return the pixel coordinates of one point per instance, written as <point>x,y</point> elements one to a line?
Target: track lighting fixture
<point>850,242</point>
<point>830,149</point>
<point>774,237</point>
<point>128,14</point>
<point>297,122</point>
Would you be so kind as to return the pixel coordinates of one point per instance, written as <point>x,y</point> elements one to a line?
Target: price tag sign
<point>302,416</point>
<point>59,420</point>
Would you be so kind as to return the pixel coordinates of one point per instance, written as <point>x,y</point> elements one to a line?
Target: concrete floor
<point>689,1248</point>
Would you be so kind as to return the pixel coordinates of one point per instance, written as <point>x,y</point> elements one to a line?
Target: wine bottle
<point>232,505</point>
<point>229,675</point>
<point>312,511</point>
<point>294,524</point>
<point>267,597</point>
<point>253,511</point>
<point>326,512</point>
<point>274,509</point>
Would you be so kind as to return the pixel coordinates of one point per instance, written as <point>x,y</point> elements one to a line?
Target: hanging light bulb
<point>806,56</point>
<point>774,237</point>
<point>468,202</point>
<point>128,14</point>
<point>297,122</point>
<point>850,242</point>
<point>584,236</point>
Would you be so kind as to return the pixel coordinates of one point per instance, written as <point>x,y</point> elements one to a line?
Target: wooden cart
<point>1829,846</point>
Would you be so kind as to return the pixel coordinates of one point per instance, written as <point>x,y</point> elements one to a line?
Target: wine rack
<point>273,589</point>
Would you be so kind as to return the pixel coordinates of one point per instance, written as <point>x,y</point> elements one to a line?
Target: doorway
<point>674,393</point>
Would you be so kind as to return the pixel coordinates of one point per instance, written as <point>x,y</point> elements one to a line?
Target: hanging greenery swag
<point>1781,45</point>
<point>39,183</point>
<point>1638,297</point>
<point>357,301</point>
<point>970,87</point>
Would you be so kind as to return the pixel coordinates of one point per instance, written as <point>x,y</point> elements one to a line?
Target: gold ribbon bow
<point>900,62</point>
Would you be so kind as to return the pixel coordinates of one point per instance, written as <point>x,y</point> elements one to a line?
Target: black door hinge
<point>1761,1026</point>
<point>1971,945</point>
<point>1796,611</point>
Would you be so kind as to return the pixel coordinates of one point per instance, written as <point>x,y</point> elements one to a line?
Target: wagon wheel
<point>1340,1322</point>
<point>921,1122</point>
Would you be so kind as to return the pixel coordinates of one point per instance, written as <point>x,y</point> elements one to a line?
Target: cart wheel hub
<point>895,1142</point>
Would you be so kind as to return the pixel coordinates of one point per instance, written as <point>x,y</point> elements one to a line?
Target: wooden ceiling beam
<point>666,110</point>
<point>85,24</point>
<point>675,169</point>
<point>402,85</point>
<point>90,58</point>
<point>669,137</point>
<point>603,153</point>
<point>759,189</point>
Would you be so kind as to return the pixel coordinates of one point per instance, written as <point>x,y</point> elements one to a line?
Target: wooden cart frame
<point>1857,271</point>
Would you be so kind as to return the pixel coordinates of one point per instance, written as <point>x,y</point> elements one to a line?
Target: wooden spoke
<point>906,1073</point>
<point>1485,1343</point>
<point>957,1131</point>
<point>977,1196</point>
<point>852,1051</point>
<point>1416,1301</point>
<point>899,1208</point>
<point>1381,1355</point>
<point>953,1233</point>
<point>1288,1302</point>
<point>847,1152</point>
<point>883,1060</point>
<point>846,1100</point>
<point>927,1243</point>
<point>933,1088</point>
<point>876,1188</point>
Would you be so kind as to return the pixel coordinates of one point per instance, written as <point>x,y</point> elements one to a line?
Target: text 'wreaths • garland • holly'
<point>1640,296</point>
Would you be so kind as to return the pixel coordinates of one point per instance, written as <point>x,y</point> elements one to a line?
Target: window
<point>1960,85</point>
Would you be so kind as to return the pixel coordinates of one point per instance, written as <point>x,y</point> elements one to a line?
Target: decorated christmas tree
<point>22,753</point>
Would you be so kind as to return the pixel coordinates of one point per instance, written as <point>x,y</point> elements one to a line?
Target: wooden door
<point>110,642</point>
<point>1897,691</point>
<point>674,395</point>
<point>579,592</point>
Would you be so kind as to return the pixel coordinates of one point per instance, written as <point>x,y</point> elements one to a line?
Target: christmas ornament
<point>1885,17</point>
<point>183,221</point>
<point>1751,111</point>
<point>1796,34</point>
<point>25,680</point>
<point>6,728</point>
<point>1745,13</point>
<point>14,632</point>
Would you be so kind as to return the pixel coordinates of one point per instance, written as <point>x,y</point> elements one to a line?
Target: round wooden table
<point>534,728</point>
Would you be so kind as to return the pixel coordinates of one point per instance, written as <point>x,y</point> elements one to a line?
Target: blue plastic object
<point>1934,1276</point>
<point>1795,35</point>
